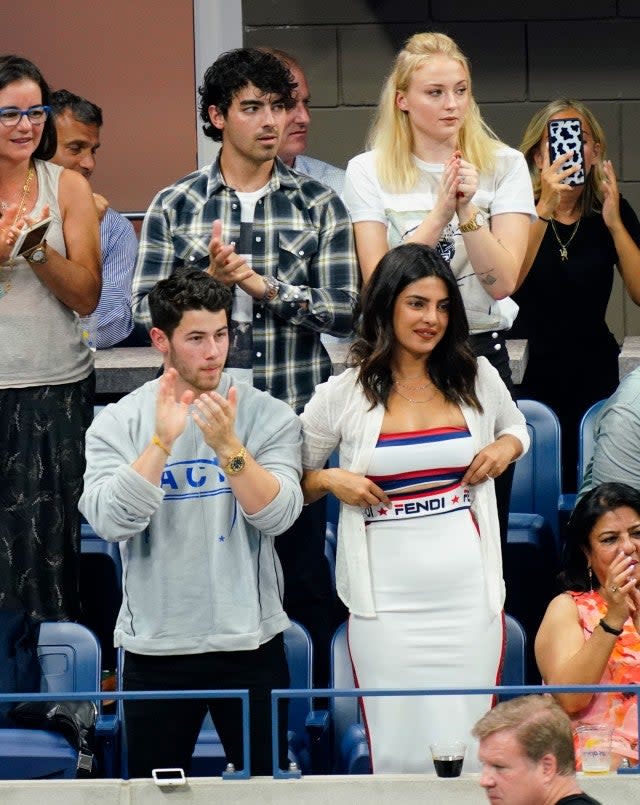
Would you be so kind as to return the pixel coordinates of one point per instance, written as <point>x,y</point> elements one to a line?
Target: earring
<point>590,578</point>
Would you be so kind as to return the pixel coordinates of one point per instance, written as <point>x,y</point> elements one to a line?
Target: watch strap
<point>236,463</point>
<point>609,629</point>
<point>271,288</point>
<point>472,224</point>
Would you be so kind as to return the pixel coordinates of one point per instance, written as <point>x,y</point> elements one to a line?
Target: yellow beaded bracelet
<point>155,439</point>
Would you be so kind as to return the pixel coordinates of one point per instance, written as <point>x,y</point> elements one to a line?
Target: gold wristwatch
<point>237,462</point>
<point>477,221</point>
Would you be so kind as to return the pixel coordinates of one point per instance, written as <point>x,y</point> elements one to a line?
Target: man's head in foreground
<point>526,752</point>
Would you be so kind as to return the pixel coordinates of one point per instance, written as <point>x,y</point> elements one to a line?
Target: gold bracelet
<point>155,439</point>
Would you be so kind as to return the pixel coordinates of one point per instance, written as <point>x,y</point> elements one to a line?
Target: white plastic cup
<point>594,746</point>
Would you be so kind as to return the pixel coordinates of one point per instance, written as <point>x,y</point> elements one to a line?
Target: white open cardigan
<point>338,415</point>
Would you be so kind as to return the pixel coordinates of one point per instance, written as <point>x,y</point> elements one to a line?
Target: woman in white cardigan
<point>422,428</point>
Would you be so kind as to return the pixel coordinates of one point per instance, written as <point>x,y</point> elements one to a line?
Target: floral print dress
<point>618,710</point>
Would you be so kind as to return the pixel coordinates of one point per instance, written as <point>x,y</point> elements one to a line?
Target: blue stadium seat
<point>306,728</point>
<point>350,749</point>
<point>70,660</point>
<point>533,547</point>
<point>586,441</point>
<point>537,477</point>
<point>514,670</point>
<point>100,589</point>
<point>586,438</point>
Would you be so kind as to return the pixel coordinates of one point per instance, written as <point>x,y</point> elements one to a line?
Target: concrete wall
<point>522,56</point>
<point>397,789</point>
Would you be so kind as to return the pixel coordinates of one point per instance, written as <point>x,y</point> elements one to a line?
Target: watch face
<point>38,256</point>
<point>236,464</point>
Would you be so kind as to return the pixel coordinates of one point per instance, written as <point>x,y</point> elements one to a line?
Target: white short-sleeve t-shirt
<point>506,189</point>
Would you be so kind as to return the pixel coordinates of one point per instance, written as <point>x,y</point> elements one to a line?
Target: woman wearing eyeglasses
<point>46,372</point>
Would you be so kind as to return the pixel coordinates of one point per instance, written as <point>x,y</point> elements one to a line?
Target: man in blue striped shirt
<point>78,122</point>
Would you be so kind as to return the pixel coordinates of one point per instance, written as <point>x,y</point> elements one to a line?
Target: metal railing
<point>76,696</point>
<point>510,690</point>
<point>301,693</point>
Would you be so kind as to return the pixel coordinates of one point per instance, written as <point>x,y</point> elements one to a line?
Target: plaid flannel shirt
<point>302,236</point>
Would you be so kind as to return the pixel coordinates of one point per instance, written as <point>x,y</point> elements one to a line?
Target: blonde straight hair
<point>391,134</point>
<point>536,132</point>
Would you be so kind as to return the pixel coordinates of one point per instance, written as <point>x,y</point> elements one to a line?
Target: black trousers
<point>493,347</point>
<point>163,734</point>
<point>308,594</point>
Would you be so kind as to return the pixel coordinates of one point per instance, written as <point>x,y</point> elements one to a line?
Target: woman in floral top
<point>590,634</point>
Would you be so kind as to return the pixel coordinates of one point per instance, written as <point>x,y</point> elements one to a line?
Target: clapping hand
<point>216,416</point>
<point>468,181</point>
<point>224,264</point>
<point>171,412</point>
<point>620,591</point>
<point>552,187</point>
<point>611,196</point>
<point>445,205</point>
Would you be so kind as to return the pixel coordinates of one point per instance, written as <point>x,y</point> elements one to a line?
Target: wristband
<point>155,439</point>
<point>609,629</point>
<point>542,218</point>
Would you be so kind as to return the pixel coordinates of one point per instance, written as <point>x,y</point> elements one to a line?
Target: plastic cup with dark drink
<point>448,757</point>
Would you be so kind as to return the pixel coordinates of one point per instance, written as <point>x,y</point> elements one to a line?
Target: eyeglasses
<point>10,116</point>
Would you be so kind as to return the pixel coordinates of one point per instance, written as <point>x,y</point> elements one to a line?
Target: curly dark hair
<point>186,289</point>
<point>589,509</point>
<point>16,68</point>
<point>452,366</point>
<point>233,71</point>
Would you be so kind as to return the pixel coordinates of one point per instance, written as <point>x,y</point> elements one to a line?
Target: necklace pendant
<point>563,253</point>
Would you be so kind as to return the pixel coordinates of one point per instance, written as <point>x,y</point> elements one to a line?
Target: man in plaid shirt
<point>284,243</point>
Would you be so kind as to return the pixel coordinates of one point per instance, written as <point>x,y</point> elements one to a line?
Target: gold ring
<point>614,588</point>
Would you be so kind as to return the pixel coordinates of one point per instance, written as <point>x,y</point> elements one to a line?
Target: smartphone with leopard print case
<point>565,135</point>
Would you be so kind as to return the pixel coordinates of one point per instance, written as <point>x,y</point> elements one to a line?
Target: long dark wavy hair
<point>17,68</point>
<point>589,509</point>
<point>451,366</point>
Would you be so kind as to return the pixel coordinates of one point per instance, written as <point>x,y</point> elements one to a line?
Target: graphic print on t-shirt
<point>403,223</point>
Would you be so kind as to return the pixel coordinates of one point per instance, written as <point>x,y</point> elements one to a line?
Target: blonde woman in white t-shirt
<point>437,175</point>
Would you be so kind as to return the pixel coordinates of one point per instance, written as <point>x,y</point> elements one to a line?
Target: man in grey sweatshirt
<point>194,477</point>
